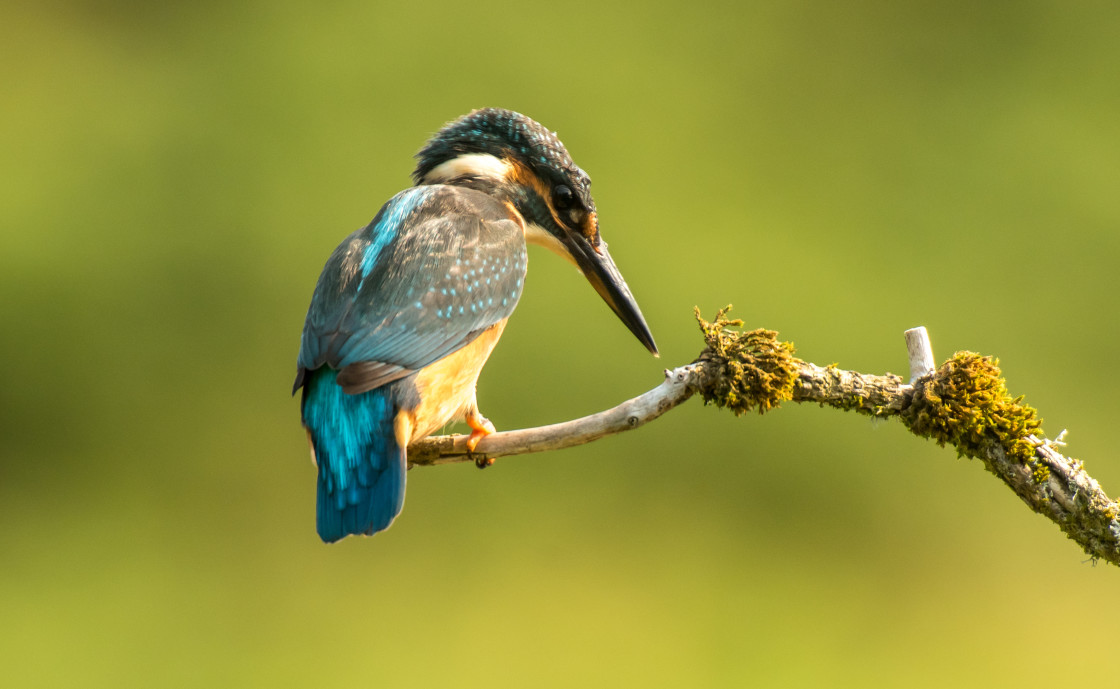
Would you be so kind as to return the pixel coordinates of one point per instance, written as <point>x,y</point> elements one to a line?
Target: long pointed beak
<point>599,269</point>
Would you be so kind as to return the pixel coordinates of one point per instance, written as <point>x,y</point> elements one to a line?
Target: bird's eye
<point>563,197</point>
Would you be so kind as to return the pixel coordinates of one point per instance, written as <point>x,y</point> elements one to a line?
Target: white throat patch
<point>535,234</point>
<point>469,165</point>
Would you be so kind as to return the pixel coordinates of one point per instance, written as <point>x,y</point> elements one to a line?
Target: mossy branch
<point>963,403</point>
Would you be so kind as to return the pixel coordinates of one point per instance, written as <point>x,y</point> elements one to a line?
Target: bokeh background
<point>174,176</point>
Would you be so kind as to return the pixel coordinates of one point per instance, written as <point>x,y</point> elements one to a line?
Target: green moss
<point>753,370</point>
<point>966,403</point>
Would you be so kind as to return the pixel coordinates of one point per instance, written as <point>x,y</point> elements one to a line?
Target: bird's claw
<point>482,461</point>
<point>480,428</point>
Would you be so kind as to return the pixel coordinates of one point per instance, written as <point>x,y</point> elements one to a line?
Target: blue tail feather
<point>361,467</point>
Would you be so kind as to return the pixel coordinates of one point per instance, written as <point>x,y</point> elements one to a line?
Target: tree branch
<point>963,403</point>
<point>631,414</point>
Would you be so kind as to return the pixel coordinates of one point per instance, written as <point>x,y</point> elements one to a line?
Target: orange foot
<point>480,428</point>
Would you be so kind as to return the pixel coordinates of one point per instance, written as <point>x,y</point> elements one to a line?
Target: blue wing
<point>435,267</point>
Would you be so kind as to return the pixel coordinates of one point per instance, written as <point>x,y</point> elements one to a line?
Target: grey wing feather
<point>451,269</point>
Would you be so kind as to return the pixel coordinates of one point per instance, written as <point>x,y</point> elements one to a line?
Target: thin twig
<point>625,417</point>
<point>920,352</point>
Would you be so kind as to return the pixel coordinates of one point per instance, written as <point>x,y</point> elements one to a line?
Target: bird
<point>408,308</point>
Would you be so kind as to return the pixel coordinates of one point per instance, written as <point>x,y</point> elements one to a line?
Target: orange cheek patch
<point>590,230</point>
<point>522,175</point>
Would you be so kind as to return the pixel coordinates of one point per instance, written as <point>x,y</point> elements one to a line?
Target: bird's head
<point>516,159</point>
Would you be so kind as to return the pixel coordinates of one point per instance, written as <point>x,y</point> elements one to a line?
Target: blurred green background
<point>175,175</point>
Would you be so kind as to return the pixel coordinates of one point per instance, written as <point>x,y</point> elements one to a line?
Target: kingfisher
<point>408,308</point>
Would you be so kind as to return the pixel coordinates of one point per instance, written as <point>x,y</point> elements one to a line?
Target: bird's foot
<point>480,428</point>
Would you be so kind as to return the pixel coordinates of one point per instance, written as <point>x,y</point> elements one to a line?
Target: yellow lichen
<point>965,403</point>
<point>753,370</point>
